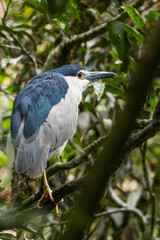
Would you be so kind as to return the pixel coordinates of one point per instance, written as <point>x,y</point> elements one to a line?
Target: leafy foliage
<point>37,35</point>
<point>135,16</point>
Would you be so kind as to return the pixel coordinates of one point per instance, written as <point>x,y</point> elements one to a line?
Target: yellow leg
<point>47,190</point>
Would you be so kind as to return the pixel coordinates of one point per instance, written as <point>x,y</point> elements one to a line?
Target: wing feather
<point>58,127</point>
<point>35,100</point>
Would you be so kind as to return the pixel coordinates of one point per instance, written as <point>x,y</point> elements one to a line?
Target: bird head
<point>74,70</point>
<point>94,76</point>
<point>80,77</point>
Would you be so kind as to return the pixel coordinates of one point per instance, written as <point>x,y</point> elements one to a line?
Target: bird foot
<point>47,192</point>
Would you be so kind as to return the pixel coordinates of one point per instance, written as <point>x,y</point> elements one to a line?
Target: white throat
<point>77,86</point>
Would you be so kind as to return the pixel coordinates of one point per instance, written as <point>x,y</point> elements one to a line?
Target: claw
<point>47,192</point>
<point>57,210</point>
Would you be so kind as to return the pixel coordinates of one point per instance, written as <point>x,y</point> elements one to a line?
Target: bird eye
<point>79,75</point>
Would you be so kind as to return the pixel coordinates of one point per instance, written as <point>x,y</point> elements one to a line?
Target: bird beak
<point>95,76</point>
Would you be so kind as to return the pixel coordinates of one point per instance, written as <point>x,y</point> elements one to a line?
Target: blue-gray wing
<point>35,101</point>
<point>43,126</point>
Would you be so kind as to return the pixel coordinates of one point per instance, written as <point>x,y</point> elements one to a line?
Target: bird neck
<point>77,86</point>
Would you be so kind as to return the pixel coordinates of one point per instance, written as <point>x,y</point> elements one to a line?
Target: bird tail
<point>31,158</point>
<point>10,149</point>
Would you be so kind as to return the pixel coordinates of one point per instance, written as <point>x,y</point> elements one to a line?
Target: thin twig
<point>127,207</point>
<point>82,158</point>
<point>149,188</point>
<point>25,51</point>
<point>136,211</point>
<point>10,97</point>
<point>10,46</point>
<point>141,123</point>
<point>58,52</point>
<point>54,223</point>
<point>149,5</point>
<point>6,12</point>
<point>134,141</point>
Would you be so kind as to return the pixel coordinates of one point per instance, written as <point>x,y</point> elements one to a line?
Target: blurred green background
<point>38,35</point>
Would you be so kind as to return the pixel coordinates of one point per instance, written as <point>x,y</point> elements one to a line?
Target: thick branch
<point>15,215</point>
<point>137,139</point>
<point>111,156</point>
<point>134,141</point>
<point>77,160</point>
<point>18,217</point>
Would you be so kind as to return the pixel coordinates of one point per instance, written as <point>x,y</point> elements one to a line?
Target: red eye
<point>79,75</point>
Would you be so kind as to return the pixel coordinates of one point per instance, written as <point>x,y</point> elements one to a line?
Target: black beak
<point>95,76</point>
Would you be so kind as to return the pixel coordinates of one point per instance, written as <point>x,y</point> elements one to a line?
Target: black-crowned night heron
<point>44,117</point>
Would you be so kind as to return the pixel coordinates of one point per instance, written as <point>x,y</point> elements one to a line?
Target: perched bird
<point>44,117</point>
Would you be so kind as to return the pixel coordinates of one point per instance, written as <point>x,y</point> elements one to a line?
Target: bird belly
<point>57,152</point>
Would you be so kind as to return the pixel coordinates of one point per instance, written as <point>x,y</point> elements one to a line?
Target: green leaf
<point>135,16</point>
<point>118,38</point>
<point>152,16</point>
<point>156,83</point>
<point>6,123</point>
<point>72,10</point>
<point>113,54</point>
<point>81,50</point>
<point>99,89</point>
<point>132,63</point>
<point>38,6</point>
<point>8,235</point>
<point>133,33</point>
<point>5,238</point>
<point>152,101</point>
<point>61,24</point>
<point>119,79</point>
<point>115,90</point>
<point>88,106</point>
<point>56,6</point>
<point>115,67</point>
<point>93,12</point>
<point>26,26</point>
<point>19,33</point>
<point>2,189</point>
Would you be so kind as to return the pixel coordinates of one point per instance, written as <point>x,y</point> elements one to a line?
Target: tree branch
<point>111,157</point>
<point>15,215</point>
<point>124,207</point>
<point>58,53</point>
<point>133,142</point>
<point>19,216</point>
<point>59,193</point>
<point>26,52</point>
<point>77,160</point>
<point>151,207</point>
<point>136,211</point>
<point>6,11</point>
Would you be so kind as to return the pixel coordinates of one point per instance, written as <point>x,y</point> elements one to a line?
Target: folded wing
<point>44,117</point>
